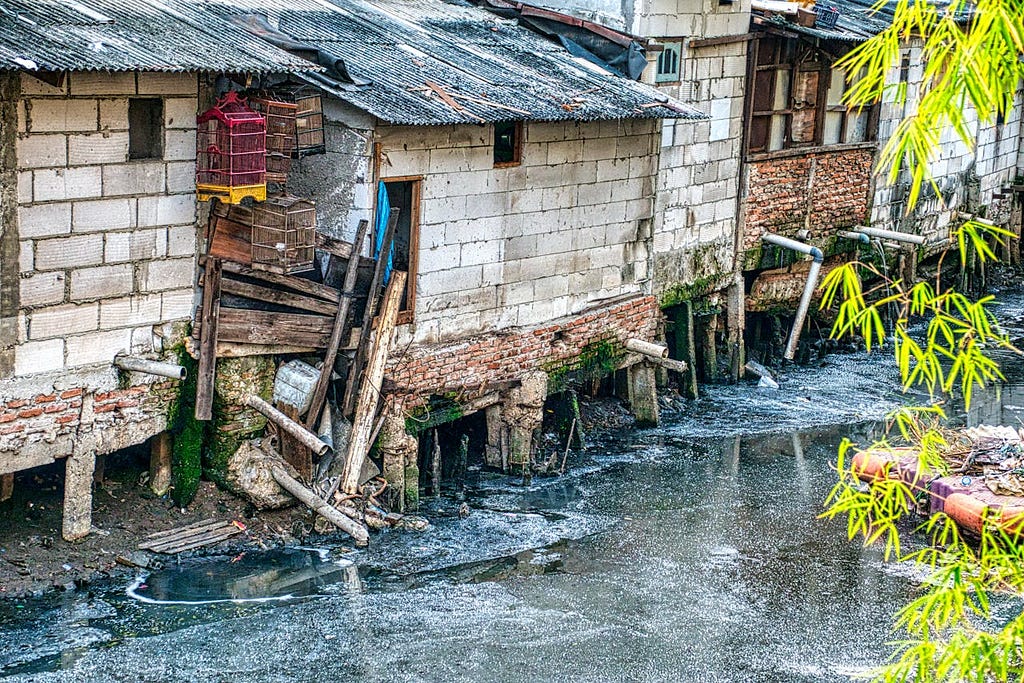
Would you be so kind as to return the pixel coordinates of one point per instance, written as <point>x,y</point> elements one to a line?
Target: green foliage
<point>967,65</point>
<point>595,361</point>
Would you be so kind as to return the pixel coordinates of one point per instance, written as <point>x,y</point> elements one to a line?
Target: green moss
<point>188,433</point>
<point>702,286</point>
<point>595,361</point>
<point>439,410</point>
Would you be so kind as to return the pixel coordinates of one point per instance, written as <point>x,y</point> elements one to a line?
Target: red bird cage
<point>231,152</point>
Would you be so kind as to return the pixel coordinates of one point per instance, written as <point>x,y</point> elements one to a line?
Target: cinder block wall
<point>105,257</point>
<point>502,248</point>
<point>966,177</point>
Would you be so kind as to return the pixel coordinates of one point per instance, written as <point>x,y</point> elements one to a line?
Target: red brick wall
<point>837,184</point>
<point>48,417</point>
<point>500,357</point>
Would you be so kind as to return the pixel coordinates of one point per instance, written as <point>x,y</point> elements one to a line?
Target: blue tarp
<point>381,226</point>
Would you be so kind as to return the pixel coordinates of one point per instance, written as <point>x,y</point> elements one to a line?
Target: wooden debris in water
<point>198,535</point>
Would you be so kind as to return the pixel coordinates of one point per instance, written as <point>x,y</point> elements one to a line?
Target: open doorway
<point>404,195</point>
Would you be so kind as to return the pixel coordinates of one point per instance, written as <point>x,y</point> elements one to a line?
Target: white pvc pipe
<point>892,235</point>
<point>809,286</point>
<point>851,235</point>
<point>150,367</point>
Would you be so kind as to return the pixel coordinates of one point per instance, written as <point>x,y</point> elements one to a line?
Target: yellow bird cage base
<point>231,195</point>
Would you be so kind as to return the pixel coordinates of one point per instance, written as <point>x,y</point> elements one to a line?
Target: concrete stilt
<point>493,456</point>
<point>643,394</point>
<point>524,413</point>
<point>160,463</point>
<point>709,346</point>
<point>78,494</point>
<point>735,323</point>
<point>399,452</point>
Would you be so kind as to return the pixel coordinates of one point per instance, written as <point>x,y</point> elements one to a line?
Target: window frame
<point>667,45</point>
<point>408,314</point>
<point>517,147</point>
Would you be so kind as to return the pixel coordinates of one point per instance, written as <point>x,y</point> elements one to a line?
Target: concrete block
<point>168,274</point>
<point>102,214</point>
<point>452,280</point>
<point>114,114</point>
<point>597,149</point>
<point>97,347</point>
<point>544,132</point>
<point>51,116</point>
<point>44,220</point>
<point>67,183</point>
<point>24,187</point>
<point>130,311</point>
<point>612,169</point>
<point>167,210</point>
<point>520,247</point>
<point>101,148</point>
<point>159,83</point>
<point>41,151</point>
<point>30,85</point>
<point>26,256</point>
<point>181,177</point>
<point>181,240</point>
<point>36,357</point>
<point>85,83</point>
<point>69,252</point>
<point>178,305</point>
<point>42,289</point>
<point>179,145</point>
<point>595,193</point>
<point>479,253</point>
<point>138,245</point>
<point>180,112</point>
<point>516,293</point>
<point>138,177</point>
<point>58,321</point>
<point>101,283</point>
<point>564,152</point>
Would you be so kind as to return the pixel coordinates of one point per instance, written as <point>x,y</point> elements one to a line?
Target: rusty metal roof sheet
<point>131,35</point>
<point>490,67</point>
<point>858,20</point>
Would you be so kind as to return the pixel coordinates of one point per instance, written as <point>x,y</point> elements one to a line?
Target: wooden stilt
<point>160,463</point>
<point>208,340</point>
<point>435,465</point>
<point>6,487</point>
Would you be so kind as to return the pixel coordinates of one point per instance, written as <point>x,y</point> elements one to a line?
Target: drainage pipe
<point>809,286</point>
<point>150,367</point>
<point>893,235</point>
<point>858,236</point>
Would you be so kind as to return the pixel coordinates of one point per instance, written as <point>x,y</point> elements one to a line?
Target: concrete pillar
<point>524,413</point>
<point>709,346</point>
<point>233,423</point>
<point>78,473</point>
<point>685,350</point>
<point>160,463</point>
<point>399,453</point>
<point>643,394</point>
<point>735,323</point>
<point>494,453</point>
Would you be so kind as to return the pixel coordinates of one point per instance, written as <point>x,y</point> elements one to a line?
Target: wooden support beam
<point>369,391</point>
<point>6,487</point>
<point>337,331</point>
<point>208,340</point>
<point>348,401</point>
<point>295,452</point>
<point>160,463</point>
<point>292,282</point>
<point>272,328</point>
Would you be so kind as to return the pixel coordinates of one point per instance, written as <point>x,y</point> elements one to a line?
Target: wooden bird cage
<point>309,118</point>
<point>231,152</point>
<point>283,234</point>
<point>281,136</point>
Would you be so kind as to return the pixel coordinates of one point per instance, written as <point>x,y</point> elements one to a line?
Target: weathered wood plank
<point>208,340</point>
<point>271,328</point>
<point>230,285</point>
<point>369,390</point>
<point>292,282</point>
<point>338,329</point>
<point>231,241</point>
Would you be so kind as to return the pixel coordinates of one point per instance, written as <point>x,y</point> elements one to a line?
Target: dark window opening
<point>508,143</point>
<point>404,195</point>
<point>796,100</point>
<point>669,63</point>
<point>145,128</point>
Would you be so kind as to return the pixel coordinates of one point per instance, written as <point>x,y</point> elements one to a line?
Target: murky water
<point>691,552</point>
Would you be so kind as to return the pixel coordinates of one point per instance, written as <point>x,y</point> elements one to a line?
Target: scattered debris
<point>198,535</point>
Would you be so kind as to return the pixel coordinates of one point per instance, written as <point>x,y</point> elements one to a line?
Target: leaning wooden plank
<point>348,401</point>
<point>339,248</point>
<point>369,390</point>
<point>292,282</point>
<point>208,340</point>
<point>231,241</point>
<point>340,318</point>
<point>230,285</point>
<point>268,327</point>
<point>354,529</point>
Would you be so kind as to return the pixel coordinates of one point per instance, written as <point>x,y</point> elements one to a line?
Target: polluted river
<point>688,552</point>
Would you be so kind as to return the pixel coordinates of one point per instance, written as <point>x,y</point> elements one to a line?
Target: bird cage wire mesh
<point>231,152</point>
<point>283,234</point>
<point>281,136</point>
<point>309,117</point>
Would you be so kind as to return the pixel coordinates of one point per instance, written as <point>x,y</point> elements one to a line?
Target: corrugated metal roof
<point>479,59</point>
<point>858,20</point>
<point>130,35</point>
